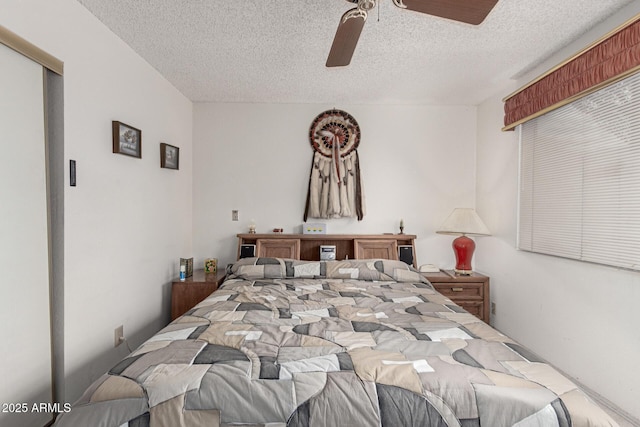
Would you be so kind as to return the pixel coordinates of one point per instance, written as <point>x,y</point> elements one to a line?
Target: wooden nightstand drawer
<point>473,307</point>
<point>461,291</point>
<point>469,292</point>
<point>185,295</point>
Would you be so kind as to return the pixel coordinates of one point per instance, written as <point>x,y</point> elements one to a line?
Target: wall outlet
<point>118,336</point>
<point>234,215</point>
<point>493,307</point>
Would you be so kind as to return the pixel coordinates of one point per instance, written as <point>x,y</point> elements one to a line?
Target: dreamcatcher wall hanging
<point>335,189</point>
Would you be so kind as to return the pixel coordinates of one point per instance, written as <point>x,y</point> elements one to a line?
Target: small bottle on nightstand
<point>183,273</point>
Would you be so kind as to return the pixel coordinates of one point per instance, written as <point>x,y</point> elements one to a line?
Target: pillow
<point>372,270</point>
<point>259,268</point>
<point>368,270</point>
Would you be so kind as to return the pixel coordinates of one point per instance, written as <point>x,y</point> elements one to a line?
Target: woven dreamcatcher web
<point>335,188</point>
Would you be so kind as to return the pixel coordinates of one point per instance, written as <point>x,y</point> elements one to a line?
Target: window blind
<point>580,178</point>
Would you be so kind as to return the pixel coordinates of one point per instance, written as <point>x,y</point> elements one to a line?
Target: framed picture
<point>127,140</point>
<point>169,156</point>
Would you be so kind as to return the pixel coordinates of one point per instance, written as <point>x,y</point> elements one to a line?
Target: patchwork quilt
<point>331,343</point>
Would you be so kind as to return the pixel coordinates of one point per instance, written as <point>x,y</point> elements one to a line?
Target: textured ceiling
<point>275,51</point>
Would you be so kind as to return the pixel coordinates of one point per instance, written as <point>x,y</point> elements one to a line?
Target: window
<point>580,178</point>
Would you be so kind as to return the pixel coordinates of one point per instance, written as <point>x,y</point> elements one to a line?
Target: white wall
<point>417,163</point>
<point>127,222</point>
<point>581,317</point>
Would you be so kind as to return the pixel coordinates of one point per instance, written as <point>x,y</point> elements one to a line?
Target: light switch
<point>72,173</point>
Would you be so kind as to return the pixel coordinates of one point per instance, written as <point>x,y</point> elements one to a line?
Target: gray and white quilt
<point>335,343</point>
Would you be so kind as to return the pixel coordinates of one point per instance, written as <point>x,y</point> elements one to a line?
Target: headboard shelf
<point>348,246</point>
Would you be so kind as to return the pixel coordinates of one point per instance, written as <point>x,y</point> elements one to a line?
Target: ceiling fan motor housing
<point>366,4</point>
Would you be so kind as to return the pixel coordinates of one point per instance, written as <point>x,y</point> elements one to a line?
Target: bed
<point>331,343</point>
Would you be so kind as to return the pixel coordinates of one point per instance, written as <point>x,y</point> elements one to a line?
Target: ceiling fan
<point>351,24</point>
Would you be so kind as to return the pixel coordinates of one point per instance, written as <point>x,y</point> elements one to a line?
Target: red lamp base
<point>463,248</point>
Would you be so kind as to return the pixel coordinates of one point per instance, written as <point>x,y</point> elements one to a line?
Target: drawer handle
<point>457,289</point>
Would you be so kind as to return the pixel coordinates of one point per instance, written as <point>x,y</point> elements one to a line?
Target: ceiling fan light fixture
<point>366,5</point>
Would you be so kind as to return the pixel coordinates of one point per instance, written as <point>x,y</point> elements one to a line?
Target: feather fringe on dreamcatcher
<point>335,187</point>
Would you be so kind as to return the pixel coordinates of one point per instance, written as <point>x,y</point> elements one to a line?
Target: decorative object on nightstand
<point>210,265</point>
<point>402,226</point>
<point>469,292</point>
<point>463,222</point>
<point>252,227</point>
<point>188,263</point>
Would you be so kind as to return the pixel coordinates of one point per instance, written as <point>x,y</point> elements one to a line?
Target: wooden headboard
<point>348,246</point>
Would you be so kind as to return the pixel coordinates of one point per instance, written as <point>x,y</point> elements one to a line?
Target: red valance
<point>615,56</point>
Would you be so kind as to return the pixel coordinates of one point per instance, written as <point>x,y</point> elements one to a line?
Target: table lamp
<point>463,222</point>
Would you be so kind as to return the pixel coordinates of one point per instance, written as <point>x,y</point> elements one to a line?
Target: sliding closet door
<point>25,362</point>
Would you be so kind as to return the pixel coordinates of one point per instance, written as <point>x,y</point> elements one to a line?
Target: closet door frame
<point>54,170</point>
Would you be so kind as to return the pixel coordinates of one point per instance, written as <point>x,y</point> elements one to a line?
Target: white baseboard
<point>619,415</point>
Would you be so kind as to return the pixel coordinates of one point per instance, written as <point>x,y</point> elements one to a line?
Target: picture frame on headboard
<point>169,156</point>
<point>127,140</point>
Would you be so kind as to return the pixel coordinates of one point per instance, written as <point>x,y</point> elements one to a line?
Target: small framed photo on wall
<point>169,156</point>
<point>127,140</point>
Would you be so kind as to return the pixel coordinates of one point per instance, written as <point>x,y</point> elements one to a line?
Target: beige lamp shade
<point>464,221</point>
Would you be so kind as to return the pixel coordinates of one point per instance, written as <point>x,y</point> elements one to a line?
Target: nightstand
<point>469,292</point>
<point>185,295</point>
